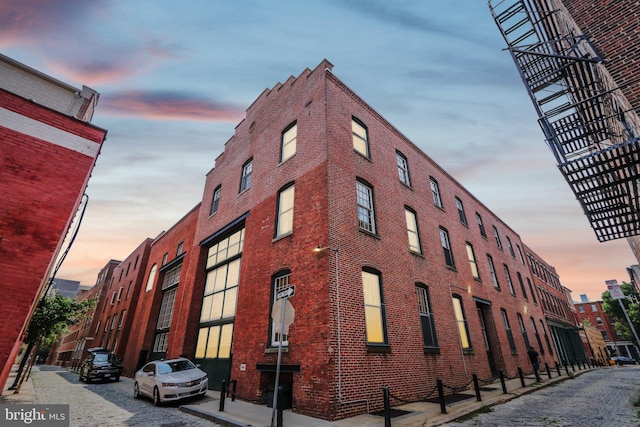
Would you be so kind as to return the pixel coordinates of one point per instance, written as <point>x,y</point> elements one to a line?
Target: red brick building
<point>47,152</point>
<point>71,347</point>
<point>415,278</point>
<point>114,316</point>
<point>559,312</point>
<point>165,297</point>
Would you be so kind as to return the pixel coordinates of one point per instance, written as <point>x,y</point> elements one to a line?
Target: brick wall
<point>44,170</point>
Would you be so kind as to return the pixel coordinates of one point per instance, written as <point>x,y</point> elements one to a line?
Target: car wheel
<point>136,391</point>
<point>117,378</point>
<point>156,397</point>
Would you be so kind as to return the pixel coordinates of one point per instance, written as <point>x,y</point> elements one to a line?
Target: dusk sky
<point>175,79</point>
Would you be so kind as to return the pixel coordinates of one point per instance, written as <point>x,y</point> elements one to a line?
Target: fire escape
<point>587,122</point>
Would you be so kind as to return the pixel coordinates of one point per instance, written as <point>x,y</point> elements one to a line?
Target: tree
<point>50,319</point>
<point>631,303</point>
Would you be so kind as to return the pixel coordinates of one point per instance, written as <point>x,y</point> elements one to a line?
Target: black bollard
<point>558,368</point>
<point>521,375</point>
<point>279,408</point>
<point>387,406</point>
<point>566,368</point>
<point>477,387</point>
<point>546,366</point>
<point>443,408</point>
<point>504,385</point>
<point>223,393</point>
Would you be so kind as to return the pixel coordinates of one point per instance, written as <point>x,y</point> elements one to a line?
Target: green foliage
<point>53,315</point>
<point>614,310</point>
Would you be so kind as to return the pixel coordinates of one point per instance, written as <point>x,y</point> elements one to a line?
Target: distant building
<point>64,287</point>
<point>49,148</point>
<point>593,314</point>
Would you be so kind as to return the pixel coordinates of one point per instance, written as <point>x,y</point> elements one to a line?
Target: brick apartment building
<point>71,347</point>
<point>558,310</point>
<point>401,276</point>
<point>593,313</point>
<point>164,308</point>
<point>48,148</point>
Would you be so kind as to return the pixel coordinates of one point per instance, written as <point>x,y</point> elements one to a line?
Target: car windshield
<point>178,365</point>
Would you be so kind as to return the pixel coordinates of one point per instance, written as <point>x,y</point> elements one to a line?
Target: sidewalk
<point>420,414</point>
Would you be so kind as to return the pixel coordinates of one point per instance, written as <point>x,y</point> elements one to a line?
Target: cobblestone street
<point>105,403</point>
<point>603,398</point>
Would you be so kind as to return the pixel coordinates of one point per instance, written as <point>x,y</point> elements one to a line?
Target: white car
<point>167,380</point>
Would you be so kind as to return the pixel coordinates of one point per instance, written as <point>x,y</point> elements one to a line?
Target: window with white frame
<point>483,233</point>
<point>280,283</point>
<point>284,224</point>
<point>435,192</point>
<point>507,327</point>
<point>412,230</point>
<point>403,168</point>
<point>245,180</point>
<point>374,310</point>
<point>507,274</point>
<point>360,137</point>
<point>492,270</point>
<point>510,246</point>
<point>497,236</point>
<point>366,213</point>
<point>461,320</point>
<point>446,247</point>
<point>461,213</point>
<point>429,339</point>
<point>215,202</point>
<point>472,262</point>
<point>288,145</point>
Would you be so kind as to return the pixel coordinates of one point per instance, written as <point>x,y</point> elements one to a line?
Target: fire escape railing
<point>587,122</point>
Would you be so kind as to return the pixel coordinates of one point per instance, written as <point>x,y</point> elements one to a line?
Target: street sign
<point>614,289</point>
<point>286,293</point>
<point>283,319</point>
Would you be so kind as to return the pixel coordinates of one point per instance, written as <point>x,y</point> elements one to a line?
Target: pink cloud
<point>94,72</point>
<point>168,105</point>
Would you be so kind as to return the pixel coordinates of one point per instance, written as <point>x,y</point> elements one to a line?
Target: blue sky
<point>176,77</point>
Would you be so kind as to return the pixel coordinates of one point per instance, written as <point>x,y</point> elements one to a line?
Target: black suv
<point>100,364</point>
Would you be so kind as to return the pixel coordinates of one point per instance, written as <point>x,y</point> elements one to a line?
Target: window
<point>366,214</point>
<point>221,290</point>
<point>507,274</point>
<point>472,262</point>
<point>523,331</point>
<point>165,258</point>
<point>522,288</point>
<point>412,231</point>
<point>497,236</point>
<point>581,309</point>
<point>120,293</point>
<point>179,248</point>
<point>166,309</point>
<point>510,246</point>
<point>533,295</point>
<point>280,282</point>
<point>435,191</point>
<point>403,168</point>
<point>360,137</point>
<point>446,247</point>
<point>483,233</point>
<point>284,224</point>
<point>288,145</point>
<point>594,308</point>
<point>152,277</point>
<point>461,214</point>
<point>113,298</point>
<point>461,320</point>
<point>492,270</point>
<point>535,333</point>
<point>245,181</point>
<point>598,320</point>
<point>374,312</point>
<point>429,339</point>
<point>520,253</point>
<point>215,203</point>
<point>507,327</point>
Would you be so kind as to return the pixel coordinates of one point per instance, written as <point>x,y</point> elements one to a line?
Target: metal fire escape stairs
<point>587,122</point>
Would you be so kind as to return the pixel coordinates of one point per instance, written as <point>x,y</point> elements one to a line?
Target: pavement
<point>419,414</point>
